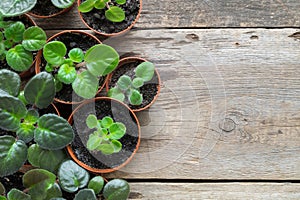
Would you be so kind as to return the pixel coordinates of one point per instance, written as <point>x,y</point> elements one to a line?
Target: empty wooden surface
<point>229,108</point>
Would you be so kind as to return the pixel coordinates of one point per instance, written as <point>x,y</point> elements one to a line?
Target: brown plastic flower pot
<point>52,15</point>
<point>111,34</point>
<point>156,79</point>
<point>40,54</point>
<point>119,112</point>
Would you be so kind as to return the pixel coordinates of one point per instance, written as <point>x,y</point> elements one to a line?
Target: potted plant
<point>47,9</point>
<point>109,17</point>
<point>135,82</point>
<point>107,135</point>
<point>11,8</point>
<point>82,70</point>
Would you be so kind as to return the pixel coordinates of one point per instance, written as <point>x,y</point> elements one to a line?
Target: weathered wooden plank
<point>201,13</point>
<point>213,191</point>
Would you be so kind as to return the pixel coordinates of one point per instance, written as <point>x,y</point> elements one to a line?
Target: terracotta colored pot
<point>120,107</point>
<point>111,34</point>
<point>53,15</point>
<point>40,53</point>
<point>134,59</point>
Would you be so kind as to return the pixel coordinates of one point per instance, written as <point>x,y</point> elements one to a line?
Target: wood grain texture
<point>200,13</point>
<point>214,191</point>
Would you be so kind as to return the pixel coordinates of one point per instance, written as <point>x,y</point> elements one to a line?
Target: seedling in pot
<point>17,44</point>
<point>106,136</point>
<point>113,13</point>
<point>127,87</point>
<point>81,69</point>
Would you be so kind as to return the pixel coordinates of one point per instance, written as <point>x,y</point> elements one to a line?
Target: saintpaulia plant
<point>17,44</point>
<point>19,114</point>
<point>113,13</point>
<point>106,136</point>
<point>127,87</point>
<point>80,69</point>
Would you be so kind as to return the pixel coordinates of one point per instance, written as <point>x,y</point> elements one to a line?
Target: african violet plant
<point>128,87</point>
<point>18,43</point>
<point>80,69</point>
<point>105,137</point>
<point>113,13</point>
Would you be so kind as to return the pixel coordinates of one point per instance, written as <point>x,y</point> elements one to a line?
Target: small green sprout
<point>113,13</point>
<point>127,87</point>
<point>105,138</point>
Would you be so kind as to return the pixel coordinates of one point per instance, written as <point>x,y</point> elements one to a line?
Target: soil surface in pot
<point>149,90</point>
<point>96,18</point>
<point>27,23</point>
<point>119,113</point>
<point>12,181</point>
<point>72,40</point>
<point>45,8</point>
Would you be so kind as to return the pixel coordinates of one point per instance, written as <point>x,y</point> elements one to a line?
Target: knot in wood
<point>227,125</point>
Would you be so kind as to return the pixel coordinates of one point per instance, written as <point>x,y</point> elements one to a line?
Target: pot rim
<point>53,15</point>
<point>108,170</point>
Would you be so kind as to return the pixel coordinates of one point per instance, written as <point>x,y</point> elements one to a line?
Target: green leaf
<point>101,59</point>
<point>53,192</point>
<point>106,122</point>
<point>53,132</point>
<point>15,32</point>
<point>124,82</point>
<point>72,177</point>
<point>94,141</point>
<point>106,149</point>
<point>3,198</point>
<point>96,184</point>
<point>34,152</point>
<point>51,159</point>
<point>115,14</point>
<point>25,132</point>
<point>13,154</point>
<point>62,3</point>
<point>34,38</point>
<point>49,68</point>
<point>10,82</point>
<point>58,198</point>
<point>135,98</point>
<point>86,85</point>
<point>86,6</point>
<point>117,145</point>
<point>11,8</point>
<point>58,85</point>
<point>21,97</point>
<point>31,117</point>
<point>100,4</point>
<point>76,55</point>
<point>85,194</point>
<point>15,194</point>
<point>66,74</point>
<point>38,181</point>
<point>2,189</point>
<point>120,2</point>
<point>40,90</point>
<point>117,130</point>
<point>145,70</point>
<point>12,110</point>
<point>116,93</point>
<point>54,52</point>
<point>92,121</point>
<point>138,82</point>
<point>116,189</point>
<point>19,59</point>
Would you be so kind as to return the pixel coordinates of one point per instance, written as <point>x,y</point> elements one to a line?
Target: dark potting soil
<point>45,8</point>
<point>96,18</point>
<point>148,90</point>
<point>119,113</point>
<point>72,40</point>
<point>12,181</point>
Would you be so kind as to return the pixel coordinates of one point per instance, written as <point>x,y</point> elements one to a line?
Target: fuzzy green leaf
<point>94,141</point>
<point>40,90</point>
<point>72,177</point>
<point>120,2</point>
<point>137,82</point>
<point>66,74</point>
<point>3,198</point>
<point>145,70</point>
<point>15,32</point>
<point>19,58</point>
<point>135,98</point>
<point>34,38</point>
<point>116,93</point>
<point>96,184</point>
<point>92,121</point>
<point>11,8</point>
<point>51,159</point>
<point>54,52</point>
<point>124,82</point>
<point>10,82</point>
<point>25,132</point>
<point>53,192</point>
<point>34,152</point>
<point>100,4</point>
<point>117,130</point>
<point>86,85</point>
<point>85,194</point>
<point>117,145</point>
<point>106,122</point>
<point>13,154</point>
<point>106,149</point>
<point>116,189</point>
<point>15,194</point>
<point>62,3</point>
<point>53,132</point>
<point>101,59</point>
<point>76,55</point>
<point>86,6</point>
<point>115,14</point>
<point>2,189</point>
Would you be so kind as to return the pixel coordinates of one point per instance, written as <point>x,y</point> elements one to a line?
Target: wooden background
<point>227,122</point>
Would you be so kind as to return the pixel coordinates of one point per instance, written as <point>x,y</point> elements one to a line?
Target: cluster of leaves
<point>127,87</point>
<point>113,13</point>
<point>80,69</point>
<point>41,184</point>
<point>17,44</point>
<point>106,136</point>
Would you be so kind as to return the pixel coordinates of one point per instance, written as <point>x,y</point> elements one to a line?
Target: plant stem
<point>107,4</point>
<point>80,65</point>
